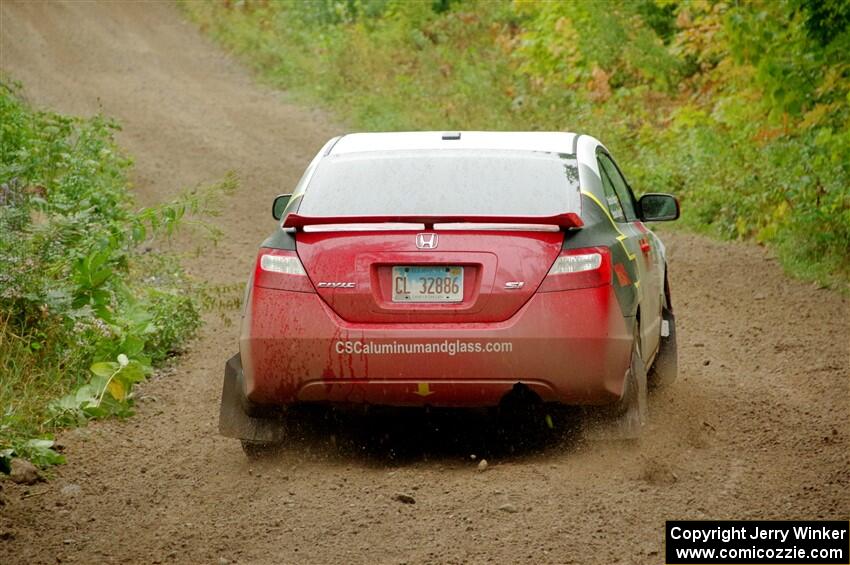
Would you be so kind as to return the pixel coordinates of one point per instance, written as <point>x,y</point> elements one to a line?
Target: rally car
<point>452,270</point>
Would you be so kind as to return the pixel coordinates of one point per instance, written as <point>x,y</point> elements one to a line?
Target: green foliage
<point>39,451</point>
<point>739,108</point>
<point>77,289</point>
<point>108,393</point>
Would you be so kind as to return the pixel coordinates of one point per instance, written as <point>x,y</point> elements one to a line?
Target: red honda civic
<point>452,270</point>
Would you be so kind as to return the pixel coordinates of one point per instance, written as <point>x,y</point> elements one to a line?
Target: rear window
<point>444,182</point>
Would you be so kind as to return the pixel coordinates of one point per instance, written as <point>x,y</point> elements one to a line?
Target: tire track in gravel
<point>756,427</point>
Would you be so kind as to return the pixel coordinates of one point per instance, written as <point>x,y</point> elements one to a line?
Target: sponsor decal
<point>448,347</point>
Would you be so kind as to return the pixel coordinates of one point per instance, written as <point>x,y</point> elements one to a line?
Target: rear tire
<point>665,369</point>
<point>634,406</point>
<point>625,419</point>
<point>260,449</point>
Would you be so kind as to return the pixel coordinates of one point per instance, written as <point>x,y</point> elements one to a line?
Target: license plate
<point>428,284</point>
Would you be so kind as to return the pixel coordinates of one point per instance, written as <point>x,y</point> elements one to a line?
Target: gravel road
<point>756,427</point>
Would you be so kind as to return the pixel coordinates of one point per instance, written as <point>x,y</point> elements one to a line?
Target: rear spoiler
<point>566,220</point>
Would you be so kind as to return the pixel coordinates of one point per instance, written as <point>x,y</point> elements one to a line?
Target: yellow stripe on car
<point>622,236</point>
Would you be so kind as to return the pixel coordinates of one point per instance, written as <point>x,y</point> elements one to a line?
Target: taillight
<point>578,268</point>
<point>281,270</point>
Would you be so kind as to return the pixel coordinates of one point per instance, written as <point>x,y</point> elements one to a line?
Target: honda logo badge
<point>426,240</point>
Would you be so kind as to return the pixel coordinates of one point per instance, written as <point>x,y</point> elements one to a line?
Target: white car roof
<point>546,141</point>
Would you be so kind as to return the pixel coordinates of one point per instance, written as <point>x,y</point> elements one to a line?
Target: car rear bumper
<point>571,347</point>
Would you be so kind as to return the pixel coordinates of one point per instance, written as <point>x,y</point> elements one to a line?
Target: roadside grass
<point>90,298</point>
<point>30,382</point>
<point>741,109</point>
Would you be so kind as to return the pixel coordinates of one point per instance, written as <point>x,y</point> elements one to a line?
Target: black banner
<point>744,542</point>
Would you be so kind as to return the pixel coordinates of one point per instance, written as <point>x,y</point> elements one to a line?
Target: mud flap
<point>665,369</point>
<point>233,419</point>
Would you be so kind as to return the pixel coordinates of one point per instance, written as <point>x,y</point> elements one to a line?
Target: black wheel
<point>626,418</point>
<point>633,407</point>
<point>259,449</point>
<point>665,369</point>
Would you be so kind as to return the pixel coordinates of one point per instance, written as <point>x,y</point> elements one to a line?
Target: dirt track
<point>756,427</point>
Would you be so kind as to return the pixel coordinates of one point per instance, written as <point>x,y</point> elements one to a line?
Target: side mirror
<point>657,207</point>
<point>279,205</point>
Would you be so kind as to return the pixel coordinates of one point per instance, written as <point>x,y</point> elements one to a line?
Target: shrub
<point>84,313</point>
